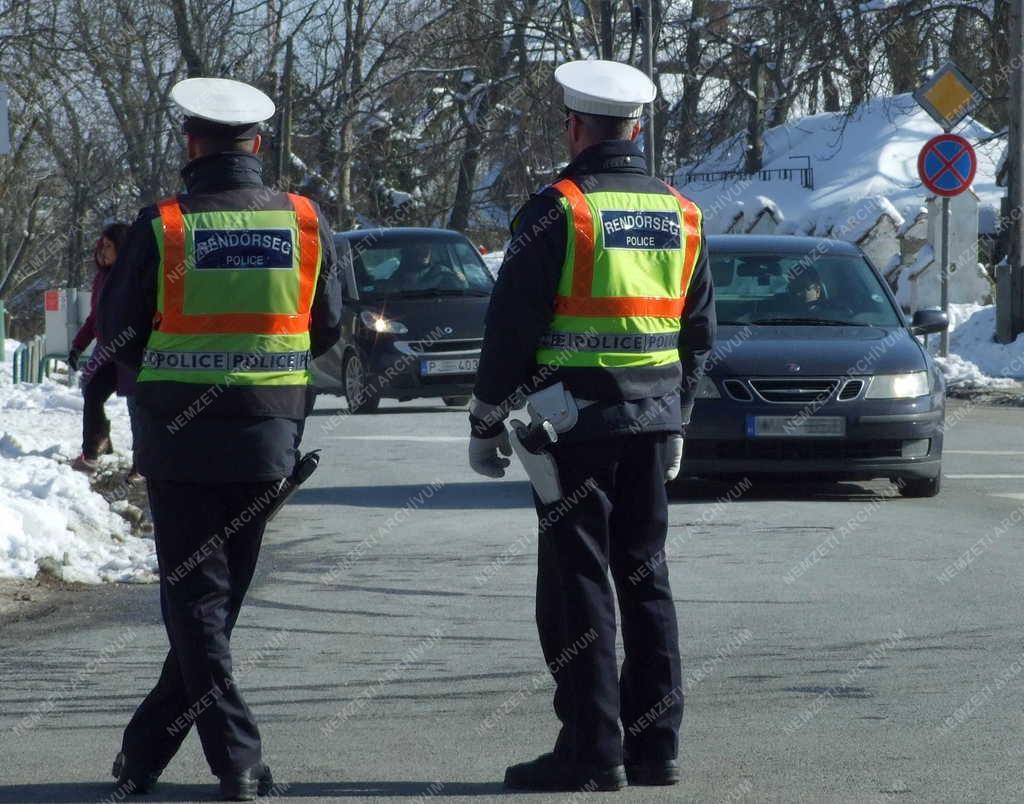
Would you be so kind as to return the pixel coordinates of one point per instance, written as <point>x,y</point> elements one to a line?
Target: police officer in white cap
<point>602,316</point>
<point>221,297</point>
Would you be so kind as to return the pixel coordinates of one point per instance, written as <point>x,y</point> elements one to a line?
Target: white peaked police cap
<point>606,88</point>
<point>222,101</point>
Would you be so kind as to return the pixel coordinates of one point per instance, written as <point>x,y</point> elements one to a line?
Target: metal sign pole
<point>944,266</point>
<point>1015,155</point>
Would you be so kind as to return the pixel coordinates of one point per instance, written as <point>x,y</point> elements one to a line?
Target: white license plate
<point>796,426</point>
<point>464,365</point>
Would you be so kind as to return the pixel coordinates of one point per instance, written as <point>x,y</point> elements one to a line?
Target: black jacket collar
<point>612,156</point>
<point>225,171</point>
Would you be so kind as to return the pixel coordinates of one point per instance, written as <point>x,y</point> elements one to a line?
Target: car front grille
<point>851,390</point>
<point>792,449</point>
<point>456,347</point>
<point>440,347</point>
<point>800,391</point>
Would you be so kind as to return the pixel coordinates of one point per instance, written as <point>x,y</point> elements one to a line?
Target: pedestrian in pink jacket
<point>99,374</point>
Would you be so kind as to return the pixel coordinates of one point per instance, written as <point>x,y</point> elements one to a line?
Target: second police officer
<point>222,295</point>
<point>602,312</point>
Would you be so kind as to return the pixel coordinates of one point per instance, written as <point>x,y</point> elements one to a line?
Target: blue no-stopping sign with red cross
<point>947,164</point>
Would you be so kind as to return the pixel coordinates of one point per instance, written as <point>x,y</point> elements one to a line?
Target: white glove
<point>673,456</point>
<point>483,454</point>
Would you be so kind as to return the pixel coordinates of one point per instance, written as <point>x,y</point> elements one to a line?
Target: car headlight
<point>706,389</point>
<point>379,323</point>
<point>899,386</point>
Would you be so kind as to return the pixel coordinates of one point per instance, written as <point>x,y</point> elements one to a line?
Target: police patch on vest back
<point>644,230</point>
<point>225,361</point>
<point>636,343</point>
<point>235,249</point>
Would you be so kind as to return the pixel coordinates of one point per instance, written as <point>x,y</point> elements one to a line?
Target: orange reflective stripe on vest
<point>583,223</point>
<point>173,318</point>
<point>582,302</point>
<point>691,233</point>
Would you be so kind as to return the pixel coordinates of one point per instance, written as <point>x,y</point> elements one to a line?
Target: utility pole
<point>1015,178</point>
<point>284,121</point>
<point>755,125</point>
<point>646,20</point>
<point>607,35</point>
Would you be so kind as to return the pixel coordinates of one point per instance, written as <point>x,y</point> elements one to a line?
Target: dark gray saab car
<point>816,370</point>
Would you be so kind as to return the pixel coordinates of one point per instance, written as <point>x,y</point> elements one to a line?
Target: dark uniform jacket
<point>523,301</point>
<point>194,432</point>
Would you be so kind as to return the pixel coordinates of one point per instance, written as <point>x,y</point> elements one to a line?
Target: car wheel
<point>921,486</point>
<point>456,401</point>
<point>361,397</point>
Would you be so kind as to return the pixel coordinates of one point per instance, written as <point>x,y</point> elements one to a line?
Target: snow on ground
<point>975,360</point>
<point>865,164</point>
<point>493,261</point>
<point>48,511</point>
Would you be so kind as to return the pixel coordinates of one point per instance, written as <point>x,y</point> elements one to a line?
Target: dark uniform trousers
<point>614,514</point>
<point>206,564</point>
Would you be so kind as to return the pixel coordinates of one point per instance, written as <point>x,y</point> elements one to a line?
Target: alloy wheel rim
<point>354,378</point>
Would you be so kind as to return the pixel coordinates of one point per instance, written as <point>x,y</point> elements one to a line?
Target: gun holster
<point>552,411</point>
<point>527,442</point>
<point>304,467</point>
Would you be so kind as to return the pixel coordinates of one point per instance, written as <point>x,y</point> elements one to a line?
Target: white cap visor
<point>605,88</point>
<point>221,100</point>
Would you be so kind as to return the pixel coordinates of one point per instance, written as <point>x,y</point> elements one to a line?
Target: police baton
<point>305,467</point>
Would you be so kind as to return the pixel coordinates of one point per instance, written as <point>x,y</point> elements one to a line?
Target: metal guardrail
<point>805,174</point>
<point>31,363</point>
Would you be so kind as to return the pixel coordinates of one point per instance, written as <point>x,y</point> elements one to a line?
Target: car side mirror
<point>929,321</point>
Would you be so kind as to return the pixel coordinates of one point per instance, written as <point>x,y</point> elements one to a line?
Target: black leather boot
<point>132,780</point>
<point>245,786</point>
<point>550,773</point>
<point>654,773</point>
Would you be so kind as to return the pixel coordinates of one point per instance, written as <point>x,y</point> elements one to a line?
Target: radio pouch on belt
<point>552,411</point>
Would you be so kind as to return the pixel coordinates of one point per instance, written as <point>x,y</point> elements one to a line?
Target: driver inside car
<point>807,297</point>
<point>419,271</point>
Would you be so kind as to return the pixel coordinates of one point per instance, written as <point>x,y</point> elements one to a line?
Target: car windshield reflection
<point>413,267</point>
<point>793,290</point>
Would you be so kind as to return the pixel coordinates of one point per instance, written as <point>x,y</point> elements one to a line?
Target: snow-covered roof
<point>865,166</point>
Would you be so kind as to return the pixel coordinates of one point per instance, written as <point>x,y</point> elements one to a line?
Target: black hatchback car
<point>415,301</point>
<point>816,371</point>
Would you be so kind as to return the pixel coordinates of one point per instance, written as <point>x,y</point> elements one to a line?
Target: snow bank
<point>48,512</point>
<point>964,374</point>
<point>975,360</point>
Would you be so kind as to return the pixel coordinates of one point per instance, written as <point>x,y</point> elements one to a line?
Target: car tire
<point>456,401</point>
<point>361,399</point>
<point>921,486</point>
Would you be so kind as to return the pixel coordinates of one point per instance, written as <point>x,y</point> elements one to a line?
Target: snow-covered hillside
<point>48,511</point>
<point>865,164</point>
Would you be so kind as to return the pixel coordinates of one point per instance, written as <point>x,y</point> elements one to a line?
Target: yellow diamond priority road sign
<point>948,96</point>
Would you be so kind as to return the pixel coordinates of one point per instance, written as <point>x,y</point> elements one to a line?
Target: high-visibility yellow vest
<point>629,260</point>
<point>234,296</point>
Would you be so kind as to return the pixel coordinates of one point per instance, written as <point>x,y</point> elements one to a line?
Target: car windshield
<point>388,267</point>
<point>794,289</point>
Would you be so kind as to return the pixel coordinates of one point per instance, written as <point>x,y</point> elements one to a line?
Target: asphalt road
<point>834,649</point>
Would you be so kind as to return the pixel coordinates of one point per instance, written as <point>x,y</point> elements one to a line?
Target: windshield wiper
<point>436,292</point>
<point>819,322</point>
